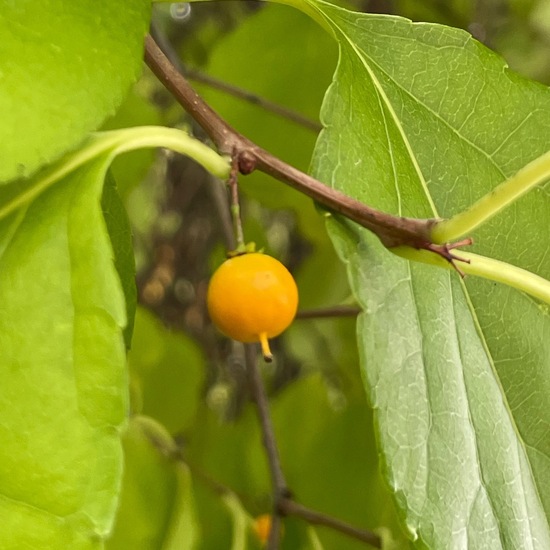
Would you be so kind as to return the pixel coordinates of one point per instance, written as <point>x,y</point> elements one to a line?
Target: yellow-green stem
<point>112,144</point>
<point>503,195</point>
<point>488,268</point>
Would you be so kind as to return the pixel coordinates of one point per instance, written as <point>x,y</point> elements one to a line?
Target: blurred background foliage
<point>196,474</point>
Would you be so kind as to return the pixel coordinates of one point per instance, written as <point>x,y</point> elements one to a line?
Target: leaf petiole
<point>488,268</point>
<point>531,175</point>
<point>114,143</point>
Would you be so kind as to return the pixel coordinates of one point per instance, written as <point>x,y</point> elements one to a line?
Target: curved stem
<point>488,268</point>
<point>114,143</point>
<point>240,519</point>
<point>503,195</point>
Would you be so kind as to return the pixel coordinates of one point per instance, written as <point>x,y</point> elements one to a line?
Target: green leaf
<point>421,120</point>
<point>120,233</point>
<point>64,384</point>
<point>168,368</point>
<point>157,509</point>
<point>65,67</point>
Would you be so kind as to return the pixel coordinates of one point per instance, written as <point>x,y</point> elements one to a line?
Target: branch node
<point>246,161</point>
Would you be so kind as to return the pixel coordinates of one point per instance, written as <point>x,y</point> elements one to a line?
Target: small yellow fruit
<point>251,298</point>
<point>262,527</point>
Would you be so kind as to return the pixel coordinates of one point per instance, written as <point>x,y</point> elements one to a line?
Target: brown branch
<point>283,505</point>
<point>289,507</point>
<point>280,489</point>
<point>230,89</point>
<point>266,104</point>
<point>391,230</point>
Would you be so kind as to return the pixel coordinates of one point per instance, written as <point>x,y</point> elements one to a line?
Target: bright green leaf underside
<point>65,66</point>
<point>63,253</point>
<point>64,386</point>
<point>421,120</point>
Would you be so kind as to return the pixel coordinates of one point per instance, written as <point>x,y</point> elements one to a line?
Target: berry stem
<point>235,204</point>
<point>266,351</point>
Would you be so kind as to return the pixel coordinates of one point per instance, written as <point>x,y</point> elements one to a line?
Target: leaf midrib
<point>455,131</point>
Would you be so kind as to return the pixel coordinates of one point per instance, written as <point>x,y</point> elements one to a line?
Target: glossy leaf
<point>64,68</point>
<point>64,385</point>
<point>420,121</point>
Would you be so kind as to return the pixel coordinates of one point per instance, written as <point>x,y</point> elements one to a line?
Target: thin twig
<point>285,112</point>
<point>280,489</point>
<point>327,312</point>
<point>391,230</point>
<point>291,508</point>
<point>285,506</point>
<point>230,89</point>
<point>219,198</point>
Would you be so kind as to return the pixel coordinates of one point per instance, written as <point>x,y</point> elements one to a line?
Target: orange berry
<point>262,527</point>
<point>251,298</point>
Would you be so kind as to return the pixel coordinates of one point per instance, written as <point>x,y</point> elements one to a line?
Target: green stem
<point>236,205</point>
<point>503,195</point>
<point>488,268</point>
<point>114,143</point>
<point>241,521</point>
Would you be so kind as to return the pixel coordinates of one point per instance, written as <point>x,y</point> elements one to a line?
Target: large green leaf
<point>64,387</point>
<point>421,120</point>
<point>64,399</point>
<point>64,67</point>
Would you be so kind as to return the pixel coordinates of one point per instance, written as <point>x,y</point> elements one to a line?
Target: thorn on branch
<point>444,250</point>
